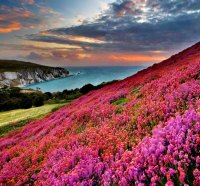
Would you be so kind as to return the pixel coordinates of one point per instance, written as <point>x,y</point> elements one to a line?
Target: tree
<point>26,102</point>
<point>4,96</point>
<point>87,88</point>
<point>38,101</point>
<point>15,92</point>
<point>10,104</point>
<point>48,95</point>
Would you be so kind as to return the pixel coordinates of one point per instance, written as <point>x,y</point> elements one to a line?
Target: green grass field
<point>15,119</point>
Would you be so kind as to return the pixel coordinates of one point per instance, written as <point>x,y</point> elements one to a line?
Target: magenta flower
<point>151,138</point>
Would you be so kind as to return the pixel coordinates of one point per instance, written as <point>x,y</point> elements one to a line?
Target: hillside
<point>14,65</point>
<point>143,130</point>
<point>19,73</point>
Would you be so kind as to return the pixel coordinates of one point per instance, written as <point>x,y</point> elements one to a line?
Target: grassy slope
<point>14,119</point>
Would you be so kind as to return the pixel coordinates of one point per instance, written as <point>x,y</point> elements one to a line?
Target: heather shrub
<point>119,135</point>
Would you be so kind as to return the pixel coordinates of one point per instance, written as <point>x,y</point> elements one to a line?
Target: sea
<point>80,76</point>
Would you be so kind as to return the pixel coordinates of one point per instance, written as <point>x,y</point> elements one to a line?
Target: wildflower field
<point>144,130</point>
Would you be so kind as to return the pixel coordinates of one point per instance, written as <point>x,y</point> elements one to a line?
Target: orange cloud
<point>14,13</point>
<point>85,39</point>
<point>137,57</point>
<point>27,2</point>
<point>12,18</point>
<point>11,26</point>
<point>15,18</point>
<point>124,58</point>
<point>75,56</point>
<point>121,13</point>
<point>83,56</point>
<point>2,17</point>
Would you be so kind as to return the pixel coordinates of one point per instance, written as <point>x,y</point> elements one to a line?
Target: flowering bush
<point>143,130</point>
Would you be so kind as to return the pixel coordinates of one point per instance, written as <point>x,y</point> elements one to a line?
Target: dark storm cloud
<point>88,30</point>
<point>141,25</point>
<point>177,6</point>
<point>125,7</point>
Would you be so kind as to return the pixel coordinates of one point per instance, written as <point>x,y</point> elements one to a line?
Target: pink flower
<point>182,175</point>
<point>123,182</point>
<point>169,183</point>
<point>172,171</point>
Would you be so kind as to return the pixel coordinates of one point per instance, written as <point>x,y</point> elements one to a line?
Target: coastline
<point>80,76</point>
<point>32,84</point>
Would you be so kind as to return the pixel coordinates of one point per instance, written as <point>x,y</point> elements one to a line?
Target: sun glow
<point>137,57</point>
<point>85,39</point>
<point>43,45</point>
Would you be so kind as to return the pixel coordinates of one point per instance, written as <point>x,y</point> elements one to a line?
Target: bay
<point>81,76</point>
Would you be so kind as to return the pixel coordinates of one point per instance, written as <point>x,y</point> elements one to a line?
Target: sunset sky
<point>97,32</point>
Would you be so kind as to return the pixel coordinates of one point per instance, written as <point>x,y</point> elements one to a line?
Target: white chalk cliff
<point>28,76</point>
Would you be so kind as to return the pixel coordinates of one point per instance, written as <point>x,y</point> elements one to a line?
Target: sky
<point>97,32</point>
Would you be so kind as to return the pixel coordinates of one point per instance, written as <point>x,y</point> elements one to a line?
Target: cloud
<point>103,6</point>
<point>17,18</point>
<point>57,57</point>
<point>133,26</point>
<point>137,57</point>
<point>9,27</point>
<point>41,17</point>
<point>148,10</point>
<point>27,2</point>
<point>125,7</point>
<point>38,56</point>
<point>9,13</point>
<point>90,58</point>
<point>33,47</point>
<point>126,31</point>
<point>60,55</point>
<point>53,18</point>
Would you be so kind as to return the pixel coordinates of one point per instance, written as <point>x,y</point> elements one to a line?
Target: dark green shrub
<point>38,101</point>
<point>48,95</point>
<point>4,96</point>
<point>87,88</point>
<point>15,92</point>
<point>26,102</point>
<point>10,104</point>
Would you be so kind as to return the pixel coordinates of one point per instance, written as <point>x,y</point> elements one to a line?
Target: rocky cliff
<point>22,74</point>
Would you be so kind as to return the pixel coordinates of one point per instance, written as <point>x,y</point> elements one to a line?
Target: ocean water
<point>84,75</point>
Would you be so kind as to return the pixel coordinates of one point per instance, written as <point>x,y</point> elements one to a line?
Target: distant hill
<point>14,65</point>
<point>20,73</point>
